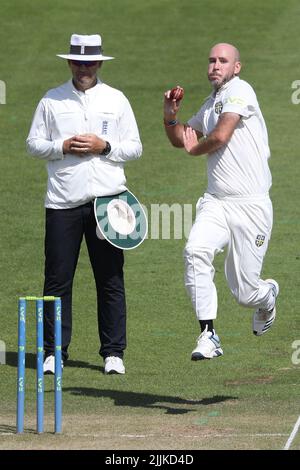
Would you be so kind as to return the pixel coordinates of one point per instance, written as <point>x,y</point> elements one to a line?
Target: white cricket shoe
<point>113,365</point>
<point>49,365</point>
<point>263,319</point>
<point>208,346</point>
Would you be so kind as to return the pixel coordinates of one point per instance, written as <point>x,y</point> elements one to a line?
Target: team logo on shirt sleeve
<point>218,107</point>
<point>260,240</point>
<point>236,100</point>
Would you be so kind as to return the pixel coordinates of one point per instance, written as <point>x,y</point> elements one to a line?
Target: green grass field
<point>249,398</point>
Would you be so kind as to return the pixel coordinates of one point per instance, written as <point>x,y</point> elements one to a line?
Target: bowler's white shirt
<point>64,112</point>
<point>239,168</point>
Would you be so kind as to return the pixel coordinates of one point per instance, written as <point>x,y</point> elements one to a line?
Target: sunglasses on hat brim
<point>86,63</point>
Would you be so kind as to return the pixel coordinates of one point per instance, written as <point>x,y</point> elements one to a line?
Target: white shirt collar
<point>87,92</point>
<point>224,87</point>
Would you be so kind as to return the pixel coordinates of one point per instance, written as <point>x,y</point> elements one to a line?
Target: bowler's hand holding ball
<point>172,102</point>
<point>176,93</point>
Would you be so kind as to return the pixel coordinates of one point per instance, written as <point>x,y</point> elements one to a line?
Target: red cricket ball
<point>177,93</point>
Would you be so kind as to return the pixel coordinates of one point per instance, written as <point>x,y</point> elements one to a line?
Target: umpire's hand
<point>84,144</point>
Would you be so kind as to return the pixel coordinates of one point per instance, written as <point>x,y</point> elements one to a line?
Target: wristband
<point>170,123</point>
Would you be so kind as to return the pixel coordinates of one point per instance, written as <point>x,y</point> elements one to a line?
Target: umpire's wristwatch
<point>106,149</point>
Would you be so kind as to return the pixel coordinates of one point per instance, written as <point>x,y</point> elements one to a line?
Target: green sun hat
<point>121,220</point>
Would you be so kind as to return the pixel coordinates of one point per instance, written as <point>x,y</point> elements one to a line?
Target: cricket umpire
<point>86,131</point>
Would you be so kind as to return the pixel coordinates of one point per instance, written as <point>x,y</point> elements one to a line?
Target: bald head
<point>223,64</point>
<point>227,49</point>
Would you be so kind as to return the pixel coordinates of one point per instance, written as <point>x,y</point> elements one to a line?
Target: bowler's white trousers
<point>243,225</point>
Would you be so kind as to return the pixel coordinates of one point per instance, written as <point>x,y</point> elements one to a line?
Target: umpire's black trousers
<point>64,233</point>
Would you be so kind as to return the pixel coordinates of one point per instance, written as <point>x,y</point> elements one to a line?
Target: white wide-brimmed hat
<point>85,48</point>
